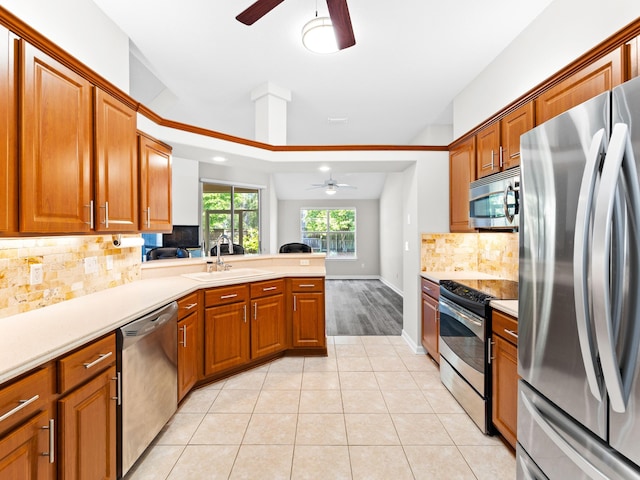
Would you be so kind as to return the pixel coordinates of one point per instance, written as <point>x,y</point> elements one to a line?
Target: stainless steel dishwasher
<point>147,360</point>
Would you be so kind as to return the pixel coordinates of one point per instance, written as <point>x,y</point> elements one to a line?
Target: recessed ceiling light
<point>219,159</point>
<point>324,168</point>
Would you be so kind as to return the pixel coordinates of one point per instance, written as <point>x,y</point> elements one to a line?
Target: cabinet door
<point>8,134</point>
<point>462,162</point>
<point>505,388</point>
<point>308,320</point>
<point>187,354</point>
<point>56,146</point>
<point>596,78</point>
<point>267,326</point>
<point>116,163</point>
<point>87,419</point>
<point>511,128</point>
<point>633,56</point>
<point>488,151</point>
<point>430,326</point>
<point>155,185</point>
<point>24,453</point>
<point>226,333</point>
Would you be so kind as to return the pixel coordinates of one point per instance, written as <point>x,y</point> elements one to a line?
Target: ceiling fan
<point>331,186</point>
<point>338,12</point>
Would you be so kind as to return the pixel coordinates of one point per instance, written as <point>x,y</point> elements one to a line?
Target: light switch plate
<point>109,259</point>
<point>304,262</point>
<point>90,265</point>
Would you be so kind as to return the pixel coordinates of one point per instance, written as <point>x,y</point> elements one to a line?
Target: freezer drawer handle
<point>560,442</point>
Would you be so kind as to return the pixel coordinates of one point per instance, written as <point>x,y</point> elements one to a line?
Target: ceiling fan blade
<point>257,10</point>
<point>339,14</point>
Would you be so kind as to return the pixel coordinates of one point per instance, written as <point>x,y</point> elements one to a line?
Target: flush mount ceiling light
<point>318,36</point>
<point>219,159</point>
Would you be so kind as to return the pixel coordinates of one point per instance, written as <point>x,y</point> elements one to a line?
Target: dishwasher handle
<point>140,328</point>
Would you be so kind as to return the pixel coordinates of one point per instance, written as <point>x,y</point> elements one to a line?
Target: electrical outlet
<point>90,265</point>
<point>109,259</point>
<point>304,262</point>
<point>36,275</point>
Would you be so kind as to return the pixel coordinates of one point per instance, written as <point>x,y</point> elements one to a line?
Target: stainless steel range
<point>464,349</point>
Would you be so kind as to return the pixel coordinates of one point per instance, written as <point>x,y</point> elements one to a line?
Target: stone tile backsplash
<point>492,253</point>
<point>63,265</point>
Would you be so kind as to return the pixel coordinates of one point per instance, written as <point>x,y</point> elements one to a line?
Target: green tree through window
<point>234,211</point>
<point>332,231</point>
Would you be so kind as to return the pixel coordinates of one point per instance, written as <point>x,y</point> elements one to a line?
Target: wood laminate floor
<point>362,307</point>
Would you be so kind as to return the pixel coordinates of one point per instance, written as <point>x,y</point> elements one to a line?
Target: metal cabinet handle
<point>514,155</point>
<point>295,303</point>
<point>244,315</point>
<point>184,336</point>
<point>118,380</point>
<point>52,438</point>
<point>268,289</point>
<point>190,306</point>
<point>106,214</point>
<point>501,161</point>
<point>21,404</point>
<point>225,297</point>
<point>512,333</point>
<point>255,310</point>
<point>148,217</point>
<point>100,358</point>
<point>90,207</point>
<point>489,351</point>
<point>306,285</point>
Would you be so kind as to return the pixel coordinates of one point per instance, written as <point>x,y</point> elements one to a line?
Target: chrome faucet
<point>220,265</point>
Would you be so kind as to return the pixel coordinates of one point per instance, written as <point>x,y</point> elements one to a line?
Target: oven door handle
<point>461,314</point>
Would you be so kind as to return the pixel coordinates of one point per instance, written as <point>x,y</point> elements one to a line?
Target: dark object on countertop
<point>161,253</point>
<point>224,249</point>
<point>295,248</point>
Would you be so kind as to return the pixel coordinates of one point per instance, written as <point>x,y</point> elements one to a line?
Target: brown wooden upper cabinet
<point>462,165</point>
<point>633,57</point>
<point>8,134</point>
<point>498,145</point>
<point>56,146</point>
<point>598,77</point>
<point>116,165</point>
<point>155,185</point>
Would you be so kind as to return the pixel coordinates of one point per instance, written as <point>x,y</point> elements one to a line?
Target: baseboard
<point>353,277</point>
<point>415,348</point>
<point>392,287</point>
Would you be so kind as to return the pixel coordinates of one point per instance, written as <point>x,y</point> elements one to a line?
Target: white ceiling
<point>194,63</point>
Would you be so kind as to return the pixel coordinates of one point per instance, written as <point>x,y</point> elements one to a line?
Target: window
<point>332,231</point>
<point>234,211</point>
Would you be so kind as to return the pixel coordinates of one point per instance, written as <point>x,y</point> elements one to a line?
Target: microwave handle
<point>505,199</point>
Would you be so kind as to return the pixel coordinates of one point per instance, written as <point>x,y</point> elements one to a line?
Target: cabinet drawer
<point>187,305</point>
<point>226,295</point>
<point>307,284</point>
<point>505,326</point>
<point>22,398</point>
<point>430,288</point>
<point>264,289</point>
<point>85,363</point>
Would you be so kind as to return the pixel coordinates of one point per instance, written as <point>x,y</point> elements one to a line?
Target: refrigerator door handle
<point>586,335</point>
<point>552,432</point>
<point>618,380</point>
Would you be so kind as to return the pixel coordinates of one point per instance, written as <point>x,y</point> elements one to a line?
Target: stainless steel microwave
<point>493,201</point>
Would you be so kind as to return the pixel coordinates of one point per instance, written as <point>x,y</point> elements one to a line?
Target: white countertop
<point>30,339</point>
<point>510,307</point>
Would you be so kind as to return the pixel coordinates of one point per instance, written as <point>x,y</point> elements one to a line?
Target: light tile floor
<point>370,410</point>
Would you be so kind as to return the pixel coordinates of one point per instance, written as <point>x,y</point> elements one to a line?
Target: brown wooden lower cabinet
<point>87,423</point>
<point>504,370</point>
<point>307,304</point>
<point>430,318</point>
<point>267,326</point>
<point>187,354</point>
<point>226,337</point>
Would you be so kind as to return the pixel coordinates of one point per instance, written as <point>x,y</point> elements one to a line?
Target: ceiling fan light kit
<point>318,36</point>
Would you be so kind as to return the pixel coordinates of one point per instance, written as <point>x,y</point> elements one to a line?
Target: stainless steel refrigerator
<point>579,319</point>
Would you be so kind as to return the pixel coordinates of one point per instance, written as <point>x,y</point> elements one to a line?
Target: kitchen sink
<point>227,274</point>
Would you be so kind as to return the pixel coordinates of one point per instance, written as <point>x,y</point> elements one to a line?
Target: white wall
<point>94,40</point>
<point>563,32</point>
<point>367,234</point>
<point>185,185</point>
<point>391,239</point>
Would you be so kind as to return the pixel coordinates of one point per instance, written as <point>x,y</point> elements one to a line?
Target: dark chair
<point>224,249</point>
<point>161,253</point>
<point>295,248</point>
